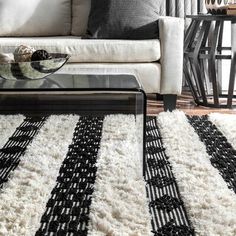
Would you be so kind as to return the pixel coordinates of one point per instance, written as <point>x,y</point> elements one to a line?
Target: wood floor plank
<point>185,103</point>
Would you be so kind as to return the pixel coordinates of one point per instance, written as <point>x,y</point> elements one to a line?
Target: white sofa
<point>57,26</point>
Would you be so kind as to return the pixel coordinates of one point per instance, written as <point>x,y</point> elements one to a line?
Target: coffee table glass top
<point>75,82</point>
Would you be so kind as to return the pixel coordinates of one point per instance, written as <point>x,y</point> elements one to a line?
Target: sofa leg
<point>169,102</point>
<point>159,97</point>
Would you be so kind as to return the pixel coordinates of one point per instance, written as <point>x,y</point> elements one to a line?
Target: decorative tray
<point>32,70</point>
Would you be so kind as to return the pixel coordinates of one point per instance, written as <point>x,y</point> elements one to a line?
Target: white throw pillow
<point>35,17</point>
<point>80,15</point>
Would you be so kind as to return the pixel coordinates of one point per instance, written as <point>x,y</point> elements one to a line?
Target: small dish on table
<point>32,70</point>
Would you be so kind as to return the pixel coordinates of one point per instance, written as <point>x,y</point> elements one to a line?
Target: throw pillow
<point>80,15</point>
<point>123,19</point>
<point>35,17</point>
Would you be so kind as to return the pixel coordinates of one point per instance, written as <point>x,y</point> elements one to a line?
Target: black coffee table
<point>77,93</point>
<point>83,94</point>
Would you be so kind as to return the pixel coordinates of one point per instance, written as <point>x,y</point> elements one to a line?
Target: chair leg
<point>169,102</point>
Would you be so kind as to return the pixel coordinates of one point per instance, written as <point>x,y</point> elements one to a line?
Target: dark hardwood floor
<point>185,103</point>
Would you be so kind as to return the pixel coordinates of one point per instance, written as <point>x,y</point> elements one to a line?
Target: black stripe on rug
<point>223,155</point>
<point>169,216</point>
<point>16,145</point>
<point>67,211</point>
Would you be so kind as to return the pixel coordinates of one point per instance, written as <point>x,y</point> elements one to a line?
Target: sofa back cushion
<point>80,14</point>
<point>122,19</point>
<point>179,8</point>
<point>35,17</point>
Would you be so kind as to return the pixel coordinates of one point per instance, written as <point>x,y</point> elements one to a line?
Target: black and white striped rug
<point>70,175</point>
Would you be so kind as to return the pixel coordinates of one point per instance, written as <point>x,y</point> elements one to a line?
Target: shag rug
<point>68,175</point>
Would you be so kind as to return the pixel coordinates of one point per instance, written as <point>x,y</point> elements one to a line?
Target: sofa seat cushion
<point>148,74</point>
<point>90,50</point>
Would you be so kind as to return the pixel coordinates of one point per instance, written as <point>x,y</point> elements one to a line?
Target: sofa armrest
<point>172,39</point>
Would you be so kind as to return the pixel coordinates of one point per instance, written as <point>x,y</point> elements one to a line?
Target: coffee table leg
<point>144,131</point>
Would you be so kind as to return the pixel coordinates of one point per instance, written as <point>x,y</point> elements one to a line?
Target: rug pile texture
<point>68,175</point>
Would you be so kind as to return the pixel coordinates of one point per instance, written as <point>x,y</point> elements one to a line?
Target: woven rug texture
<point>70,175</point>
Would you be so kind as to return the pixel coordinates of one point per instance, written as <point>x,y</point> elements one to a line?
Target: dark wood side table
<point>203,55</point>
